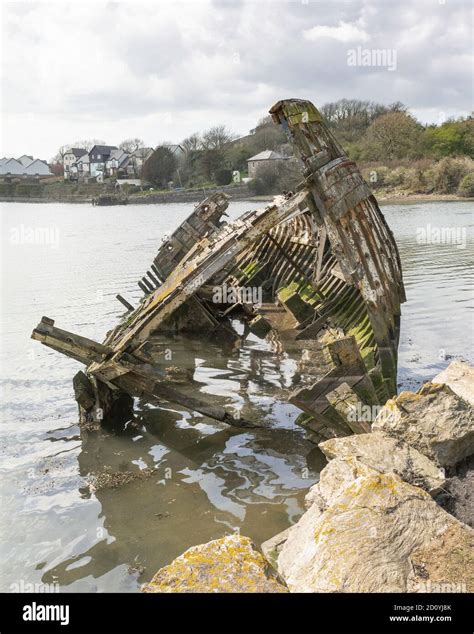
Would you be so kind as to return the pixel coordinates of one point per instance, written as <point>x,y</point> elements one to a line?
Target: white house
<point>25,160</point>
<point>71,157</point>
<point>79,169</point>
<point>263,158</point>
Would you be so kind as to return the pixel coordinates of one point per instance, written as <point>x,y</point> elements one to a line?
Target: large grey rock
<point>385,454</point>
<point>372,538</point>
<point>336,476</point>
<point>435,421</point>
<point>459,375</point>
<point>230,564</point>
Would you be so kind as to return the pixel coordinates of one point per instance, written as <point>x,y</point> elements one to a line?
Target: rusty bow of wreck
<point>331,280</point>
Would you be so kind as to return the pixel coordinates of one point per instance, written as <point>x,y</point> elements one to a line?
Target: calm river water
<point>209,480</point>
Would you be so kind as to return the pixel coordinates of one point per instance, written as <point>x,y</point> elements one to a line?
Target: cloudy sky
<point>162,70</point>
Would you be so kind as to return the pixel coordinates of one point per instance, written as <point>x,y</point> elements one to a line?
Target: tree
<point>88,144</point>
<point>350,118</point>
<point>452,138</point>
<point>274,177</point>
<point>160,167</point>
<point>216,138</point>
<point>266,136</point>
<point>394,135</point>
<point>58,158</point>
<point>130,145</point>
<point>214,143</point>
<point>57,168</point>
<point>192,143</point>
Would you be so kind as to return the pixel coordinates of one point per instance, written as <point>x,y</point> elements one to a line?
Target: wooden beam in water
<point>132,376</point>
<point>125,303</point>
<point>143,287</point>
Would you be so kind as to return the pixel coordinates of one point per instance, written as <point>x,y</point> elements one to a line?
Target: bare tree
<point>130,145</point>
<point>192,143</point>
<point>217,137</point>
<point>88,144</point>
<point>59,156</point>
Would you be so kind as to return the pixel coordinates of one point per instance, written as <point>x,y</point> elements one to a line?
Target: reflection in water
<point>207,479</point>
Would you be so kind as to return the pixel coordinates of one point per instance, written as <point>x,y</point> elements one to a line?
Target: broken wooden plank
<point>124,302</point>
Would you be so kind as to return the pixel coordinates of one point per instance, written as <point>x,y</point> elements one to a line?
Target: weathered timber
<point>205,218</point>
<point>106,396</point>
<point>324,253</point>
<point>124,302</point>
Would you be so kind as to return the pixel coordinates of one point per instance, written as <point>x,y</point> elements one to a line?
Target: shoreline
<point>390,512</point>
<point>394,199</point>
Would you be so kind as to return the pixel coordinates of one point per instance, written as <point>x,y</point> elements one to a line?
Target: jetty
<point>330,278</point>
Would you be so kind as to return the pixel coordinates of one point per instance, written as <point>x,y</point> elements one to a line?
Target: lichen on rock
<point>386,454</point>
<point>229,564</point>
<point>435,420</point>
<point>365,541</point>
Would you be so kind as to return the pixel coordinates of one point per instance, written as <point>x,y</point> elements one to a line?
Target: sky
<point>163,70</point>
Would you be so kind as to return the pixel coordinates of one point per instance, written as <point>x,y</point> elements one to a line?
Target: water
<point>208,480</point>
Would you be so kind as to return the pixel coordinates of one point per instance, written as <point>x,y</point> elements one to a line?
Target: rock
<point>229,564</point>
<point>369,539</point>
<point>459,375</point>
<point>385,454</point>
<point>446,564</point>
<point>334,478</point>
<point>435,420</point>
<point>272,547</point>
<point>459,488</point>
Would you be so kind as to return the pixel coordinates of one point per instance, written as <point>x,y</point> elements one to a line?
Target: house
<point>98,157</point>
<point>137,159</point>
<point>71,157</point>
<point>12,166</point>
<point>117,163</point>
<point>25,160</point>
<point>38,168</point>
<point>80,169</point>
<point>24,166</point>
<point>267,157</point>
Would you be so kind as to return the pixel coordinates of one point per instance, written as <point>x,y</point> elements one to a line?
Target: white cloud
<point>343,32</point>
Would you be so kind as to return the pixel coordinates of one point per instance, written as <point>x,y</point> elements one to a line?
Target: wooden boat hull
<point>325,255</point>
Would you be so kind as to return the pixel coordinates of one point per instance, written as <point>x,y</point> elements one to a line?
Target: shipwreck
<point>330,278</point>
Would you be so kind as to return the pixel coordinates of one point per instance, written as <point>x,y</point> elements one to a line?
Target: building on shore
<point>25,166</point>
<point>70,158</point>
<point>267,157</point>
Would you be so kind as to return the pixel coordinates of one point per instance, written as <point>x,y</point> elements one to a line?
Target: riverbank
<point>82,193</point>
<point>194,196</point>
<point>78,194</point>
<point>376,520</point>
